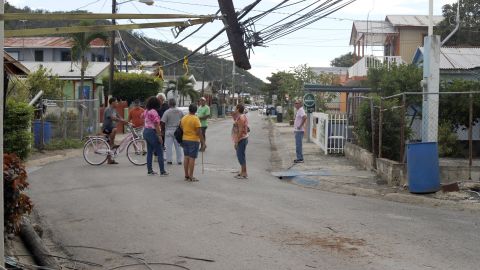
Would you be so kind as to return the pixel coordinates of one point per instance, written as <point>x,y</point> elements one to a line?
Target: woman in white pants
<point>172,118</point>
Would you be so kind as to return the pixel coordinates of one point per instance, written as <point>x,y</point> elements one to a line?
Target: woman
<point>192,138</point>
<point>153,135</point>
<point>240,138</point>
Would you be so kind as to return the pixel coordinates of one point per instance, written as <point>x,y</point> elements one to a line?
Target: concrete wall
<point>360,156</point>
<point>391,171</point>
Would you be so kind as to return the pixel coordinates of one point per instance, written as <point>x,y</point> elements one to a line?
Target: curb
<point>46,160</point>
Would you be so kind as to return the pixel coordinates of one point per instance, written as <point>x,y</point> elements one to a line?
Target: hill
<point>143,48</point>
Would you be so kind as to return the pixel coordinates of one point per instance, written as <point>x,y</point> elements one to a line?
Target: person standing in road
<point>153,135</point>
<point>203,114</point>
<point>299,130</point>
<point>171,119</point>
<point>192,138</point>
<point>135,115</point>
<point>109,128</point>
<point>241,139</point>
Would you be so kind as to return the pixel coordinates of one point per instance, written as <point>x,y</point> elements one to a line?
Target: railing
<point>360,69</point>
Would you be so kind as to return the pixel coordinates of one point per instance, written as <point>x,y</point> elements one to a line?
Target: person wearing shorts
<point>192,140</point>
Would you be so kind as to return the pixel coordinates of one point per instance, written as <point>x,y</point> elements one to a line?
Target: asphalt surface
<point>259,223</point>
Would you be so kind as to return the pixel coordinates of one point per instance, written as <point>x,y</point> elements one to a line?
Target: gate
<point>329,131</point>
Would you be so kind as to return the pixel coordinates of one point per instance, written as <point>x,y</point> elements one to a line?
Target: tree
<point>346,60</point>
<point>43,79</point>
<point>81,46</point>
<point>395,79</point>
<point>184,86</point>
<point>132,86</point>
<point>467,34</point>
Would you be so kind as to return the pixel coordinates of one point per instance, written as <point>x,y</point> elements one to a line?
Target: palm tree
<point>184,86</point>
<point>81,46</point>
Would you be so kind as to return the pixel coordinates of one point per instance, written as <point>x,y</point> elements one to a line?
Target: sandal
<point>193,179</point>
<point>241,177</point>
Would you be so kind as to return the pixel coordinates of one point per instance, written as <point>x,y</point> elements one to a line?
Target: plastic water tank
<point>422,167</point>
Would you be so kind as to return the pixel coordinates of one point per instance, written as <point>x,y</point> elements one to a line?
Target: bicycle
<point>97,149</point>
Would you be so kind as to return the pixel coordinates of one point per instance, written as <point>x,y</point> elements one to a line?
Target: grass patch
<point>64,144</point>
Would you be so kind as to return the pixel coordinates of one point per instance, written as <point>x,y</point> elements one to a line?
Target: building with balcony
<point>392,41</point>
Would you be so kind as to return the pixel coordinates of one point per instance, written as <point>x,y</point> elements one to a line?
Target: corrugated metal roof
<point>459,58</point>
<point>332,70</point>
<point>374,32</point>
<point>65,69</point>
<point>46,42</point>
<point>412,20</point>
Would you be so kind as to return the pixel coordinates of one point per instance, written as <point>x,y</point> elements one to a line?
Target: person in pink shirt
<point>152,133</point>
<point>299,130</point>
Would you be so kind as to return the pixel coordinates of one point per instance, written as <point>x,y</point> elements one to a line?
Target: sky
<point>316,45</point>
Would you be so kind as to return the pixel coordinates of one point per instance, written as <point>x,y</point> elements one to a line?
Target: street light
<point>112,43</point>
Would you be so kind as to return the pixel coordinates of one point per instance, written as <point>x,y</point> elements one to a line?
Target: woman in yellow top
<point>192,138</point>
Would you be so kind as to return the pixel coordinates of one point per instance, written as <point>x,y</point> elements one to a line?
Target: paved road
<point>261,223</point>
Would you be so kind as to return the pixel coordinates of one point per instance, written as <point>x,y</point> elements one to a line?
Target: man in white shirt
<point>299,130</point>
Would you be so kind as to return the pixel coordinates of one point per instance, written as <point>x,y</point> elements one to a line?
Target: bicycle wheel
<point>137,152</point>
<point>95,151</point>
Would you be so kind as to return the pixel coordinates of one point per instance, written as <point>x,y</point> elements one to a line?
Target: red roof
<point>46,42</point>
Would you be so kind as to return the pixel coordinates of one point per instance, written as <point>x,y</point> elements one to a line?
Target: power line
<point>89,4</point>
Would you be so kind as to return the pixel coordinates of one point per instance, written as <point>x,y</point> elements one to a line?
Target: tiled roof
<point>46,42</point>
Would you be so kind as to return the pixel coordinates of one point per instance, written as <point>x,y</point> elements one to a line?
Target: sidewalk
<point>335,173</point>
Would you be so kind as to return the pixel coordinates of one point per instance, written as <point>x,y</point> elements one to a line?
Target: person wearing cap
<point>135,115</point>
<point>203,114</point>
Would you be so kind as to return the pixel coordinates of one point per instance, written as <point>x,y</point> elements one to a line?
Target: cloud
<point>383,8</point>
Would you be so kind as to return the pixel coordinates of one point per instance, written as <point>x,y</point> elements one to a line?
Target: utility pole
<point>233,82</point>
<point>430,82</point>
<point>203,75</point>
<point>2,97</point>
<point>112,52</point>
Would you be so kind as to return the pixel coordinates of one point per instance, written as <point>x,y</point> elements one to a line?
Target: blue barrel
<point>47,131</point>
<point>422,167</point>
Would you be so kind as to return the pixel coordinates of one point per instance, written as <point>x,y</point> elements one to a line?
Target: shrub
<point>18,137</point>
<point>390,128</point>
<point>448,144</point>
<point>17,203</point>
<point>131,86</point>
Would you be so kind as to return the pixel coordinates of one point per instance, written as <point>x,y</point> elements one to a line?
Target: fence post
<point>65,118</point>
<point>380,127</point>
<point>402,129</point>
<point>42,127</point>
<point>470,143</point>
<point>80,106</point>
<point>372,125</point>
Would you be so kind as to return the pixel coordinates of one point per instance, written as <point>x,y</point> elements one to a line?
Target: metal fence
<point>329,131</point>
<point>392,122</point>
<point>64,119</point>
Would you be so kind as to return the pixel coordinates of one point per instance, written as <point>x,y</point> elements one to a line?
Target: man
<point>299,130</point>
<point>161,110</point>
<point>135,115</point>
<point>171,119</point>
<point>110,117</point>
<point>203,114</point>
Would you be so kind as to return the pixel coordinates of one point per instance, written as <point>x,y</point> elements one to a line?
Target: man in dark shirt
<point>161,110</point>
<point>110,118</point>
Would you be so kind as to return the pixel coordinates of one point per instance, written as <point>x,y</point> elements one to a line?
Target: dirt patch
<point>332,242</point>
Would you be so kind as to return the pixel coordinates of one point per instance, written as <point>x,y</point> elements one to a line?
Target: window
<point>66,56</point>
<point>93,57</point>
<point>38,56</point>
<point>15,55</point>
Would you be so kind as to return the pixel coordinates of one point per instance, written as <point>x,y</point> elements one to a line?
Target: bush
<point>448,144</point>
<point>391,128</point>
<point>132,86</point>
<point>18,137</point>
<point>17,203</point>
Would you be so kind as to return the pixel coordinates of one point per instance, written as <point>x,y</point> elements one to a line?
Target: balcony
<point>360,69</point>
